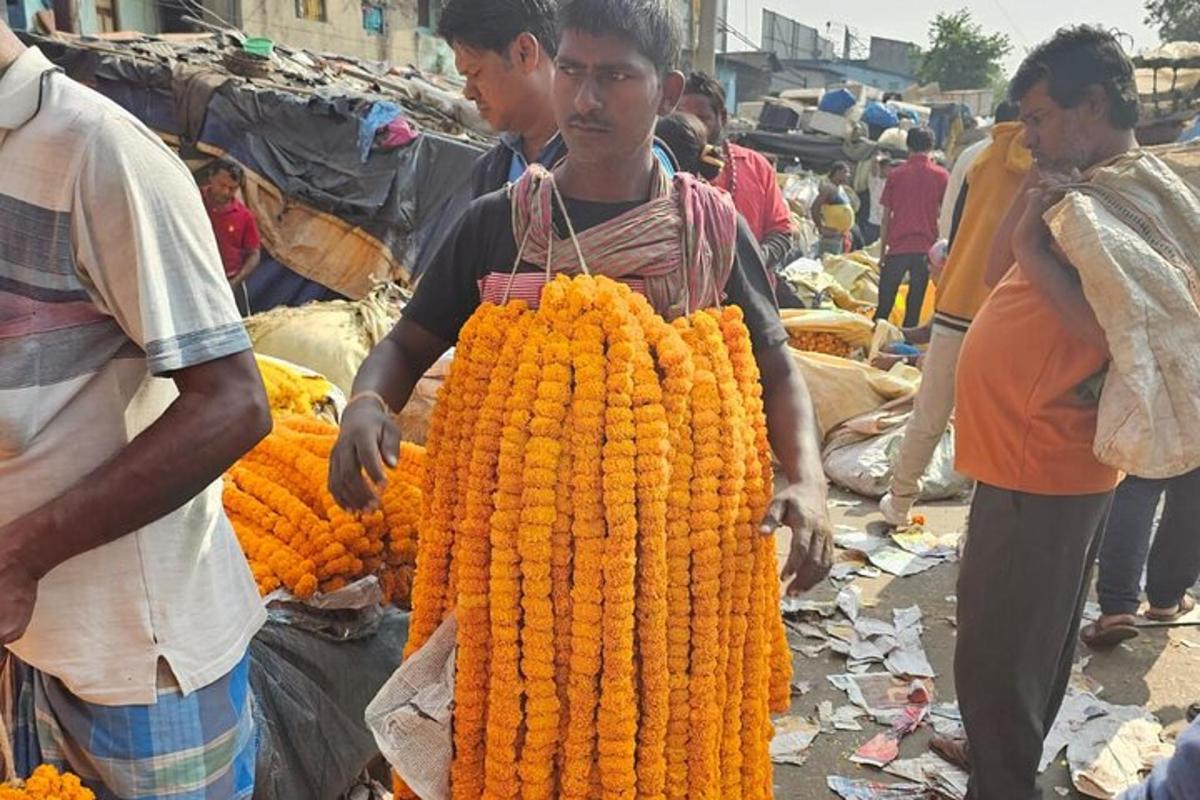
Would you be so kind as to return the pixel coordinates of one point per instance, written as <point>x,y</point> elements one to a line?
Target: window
<point>428,12</point>
<point>313,10</point>
<point>372,19</point>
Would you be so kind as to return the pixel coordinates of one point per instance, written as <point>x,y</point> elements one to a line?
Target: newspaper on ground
<point>884,748</point>
<point>934,772</point>
<point>411,715</point>
<point>794,736</point>
<point>850,789</point>
<point>1109,747</point>
<point>946,720</point>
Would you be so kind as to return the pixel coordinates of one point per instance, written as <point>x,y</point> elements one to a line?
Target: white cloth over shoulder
<point>1132,230</point>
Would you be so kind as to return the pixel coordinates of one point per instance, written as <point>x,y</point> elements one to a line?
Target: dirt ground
<point>1157,670</point>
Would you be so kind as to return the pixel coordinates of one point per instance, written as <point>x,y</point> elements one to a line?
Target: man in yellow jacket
<point>994,181</point>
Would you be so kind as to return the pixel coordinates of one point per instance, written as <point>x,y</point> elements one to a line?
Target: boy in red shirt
<point>912,199</point>
<point>234,227</point>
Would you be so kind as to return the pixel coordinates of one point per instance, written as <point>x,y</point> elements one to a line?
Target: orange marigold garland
<point>705,537</point>
<point>513,386</point>
<point>618,715</point>
<point>588,413</point>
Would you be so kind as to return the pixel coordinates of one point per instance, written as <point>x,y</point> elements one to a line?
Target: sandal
<point>955,751</point>
<point>1185,606</point>
<point>1100,634</point>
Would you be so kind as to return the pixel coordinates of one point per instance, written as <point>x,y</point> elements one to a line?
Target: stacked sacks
<point>294,534</point>
<point>595,478</point>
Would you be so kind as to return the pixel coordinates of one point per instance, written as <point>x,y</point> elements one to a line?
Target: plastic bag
<point>861,455</point>
<point>927,306</point>
<point>839,101</point>
<point>842,389</point>
<point>411,716</point>
<point>310,693</point>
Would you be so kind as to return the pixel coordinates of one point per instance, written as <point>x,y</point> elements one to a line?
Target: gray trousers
<point>1021,590</point>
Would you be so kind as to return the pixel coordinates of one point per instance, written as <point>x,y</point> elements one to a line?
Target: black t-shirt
<point>482,243</point>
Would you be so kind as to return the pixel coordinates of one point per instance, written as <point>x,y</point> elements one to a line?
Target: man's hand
<point>368,440</point>
<point>803,508</point>
<point>17,597</point>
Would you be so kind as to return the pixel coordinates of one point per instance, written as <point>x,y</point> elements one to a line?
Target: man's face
<point>702,107</point>
<point>607,97</point>
<point>840,177</point>
<point>222,187</point>
<point>1061,139</point>
<point>494,84</point>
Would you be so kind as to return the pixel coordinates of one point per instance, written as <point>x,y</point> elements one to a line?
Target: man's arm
<point>221,413</point>
<point>775,247</point>
<point>248,266</point>
<point>802,504</point>
<point>884,224</point>
<point>1056,280</point>
<point>369,437</point>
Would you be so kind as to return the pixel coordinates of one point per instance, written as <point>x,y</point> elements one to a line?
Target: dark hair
<point>920,140</point>
<point>651,25</point>
<point>687,139</point>
<point>495,24</point>
<point>1076,59</point>
<point>1007,111</point>
<point>839,166</point>
<point>225,165</point>
<point>705,85</point>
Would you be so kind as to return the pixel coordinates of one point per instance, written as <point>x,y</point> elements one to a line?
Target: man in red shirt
<point>747,175</point>
<point>234,227</point>
<point>912,200</point>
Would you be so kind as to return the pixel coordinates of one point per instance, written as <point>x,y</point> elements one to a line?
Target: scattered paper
<point>946,720</point>
<point>901,563</point>
<point>794,735</point>
<point>1091,612</point>
<point>884,748</point>
<point>881,693</point>
<point>801,688</point>
<point>844,718</point>
<point>812,650</point>
<point>1187,620</point>
<point>928,545</point>
<point>907,617</point>
<point>908,657</point>
<point>868,626</point>
<point>1061,791</point>
<point>849,600</point>
<point>1109,747</point>
<point>934,772</point>
<point>794,606</point>
<point>844,503</point>
<point>871,790</point>
<point>860,541</point>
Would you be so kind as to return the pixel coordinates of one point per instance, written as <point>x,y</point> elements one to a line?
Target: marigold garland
<point>293,533</point>
<point>595,477</point>
<point>47,783</point>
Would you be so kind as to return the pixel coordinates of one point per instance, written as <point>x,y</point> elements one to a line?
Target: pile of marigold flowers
<point>595,479</point>
<point>828,343</point>
<point>47,784</point>
<point>290,391</point>
<point>295,535</point>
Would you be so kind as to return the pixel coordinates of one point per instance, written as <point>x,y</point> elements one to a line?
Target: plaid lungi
<point>196,747</point>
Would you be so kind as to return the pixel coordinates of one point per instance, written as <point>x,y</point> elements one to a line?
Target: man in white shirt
<point>127,387</point>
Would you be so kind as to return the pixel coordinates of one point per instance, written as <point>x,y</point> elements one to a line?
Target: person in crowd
<point>881,165</point>
<point>1025,431</point>
<point>234,227</point>
<point>911,202</point>
<point>1006,111</point>
<point>687,139</point>
<point>505,49</point>
<point>127,606</point>
<point>833,210</point>
<point>989,189</point>
<point>614,76</point>
<point>748,176</point>
<point>1171,565</point>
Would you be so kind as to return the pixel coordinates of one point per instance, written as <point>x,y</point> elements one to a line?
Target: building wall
<point>341,32</point>
<point>885,81</point>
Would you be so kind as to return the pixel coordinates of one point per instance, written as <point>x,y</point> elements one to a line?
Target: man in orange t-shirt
<point>1026,420</point>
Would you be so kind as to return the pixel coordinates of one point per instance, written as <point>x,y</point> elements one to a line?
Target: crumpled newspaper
<point>411,716</point>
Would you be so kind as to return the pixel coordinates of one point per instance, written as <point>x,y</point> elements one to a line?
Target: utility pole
<point>706,43</point>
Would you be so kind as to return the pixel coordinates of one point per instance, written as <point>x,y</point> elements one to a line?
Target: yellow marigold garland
<point>46,783</point>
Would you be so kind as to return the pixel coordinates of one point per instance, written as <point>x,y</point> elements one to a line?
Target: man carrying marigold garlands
<point>127,387</point>
<point>676,240</point>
